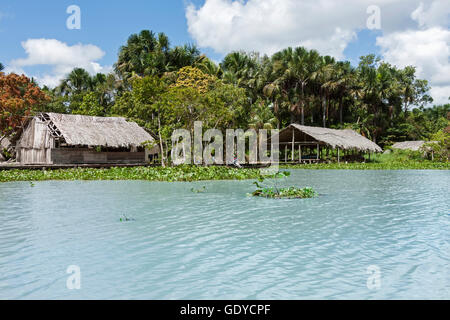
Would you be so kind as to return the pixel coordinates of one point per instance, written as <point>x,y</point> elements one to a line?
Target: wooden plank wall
<point>35,144</point>
<point>67,156</point>
<point>35,156</point>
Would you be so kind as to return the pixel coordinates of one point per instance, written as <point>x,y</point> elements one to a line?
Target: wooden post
<point>299,153</point>
<point>338,156</point>
<point>293,144</point>
<point>318,150</point>
<point>285,153</point>
<point>432,155</point>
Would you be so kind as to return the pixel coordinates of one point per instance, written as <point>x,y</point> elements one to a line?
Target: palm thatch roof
<point>344,139</point>
<point>80,130</point>
<point>410,145</point>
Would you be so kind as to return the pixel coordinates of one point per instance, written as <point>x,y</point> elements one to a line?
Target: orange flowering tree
<point>18,97</point>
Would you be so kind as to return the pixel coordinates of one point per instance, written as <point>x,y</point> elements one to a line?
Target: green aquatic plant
<point>286,193</point>
<point>277,192</point>
<point>124,218</point>
<point>180,173</point>
<point>201,190</point>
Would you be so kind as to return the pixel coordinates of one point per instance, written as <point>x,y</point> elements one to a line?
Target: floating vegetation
<point>179,173</point>
<point>125,218</point>
<point>286,193</point>
<point>201,190</point>
<point>276,192</point>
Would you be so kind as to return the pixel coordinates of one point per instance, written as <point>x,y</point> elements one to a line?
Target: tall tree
<point>18,96</point>
<point>148,54</point>
<point>77,81</point>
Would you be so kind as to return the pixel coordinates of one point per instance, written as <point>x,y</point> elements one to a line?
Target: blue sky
<point>106,24</point>
<point>333,27</point>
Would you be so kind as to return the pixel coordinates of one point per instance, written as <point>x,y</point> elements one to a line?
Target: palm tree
<point>323,77</point>
<point>273,92</point>
<point>137,55</point>
<point>76,82</point>
<point>243,70</point>
<point>281,83</point>
<point>106,86</point>
<point>208,66</point>
<point>182,56</point>
<point>1,67</point>
<point>149,54</point>
<point>341,84</point>
<point>261,117</point>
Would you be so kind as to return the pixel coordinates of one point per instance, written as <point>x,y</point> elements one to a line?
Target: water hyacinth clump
<point>179,173</point>
<point>268,189</point>
<point>286,193</point>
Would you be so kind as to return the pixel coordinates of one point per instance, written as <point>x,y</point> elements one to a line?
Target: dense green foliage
<point>179,173</point>
<point>396,160</point>
<point>392,160</point>
<point>163,88</point>
<point>396,165</point>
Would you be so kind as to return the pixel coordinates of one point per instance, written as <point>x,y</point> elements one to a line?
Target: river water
<point>369,235</point>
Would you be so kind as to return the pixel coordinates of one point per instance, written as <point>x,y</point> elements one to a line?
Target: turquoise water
<point>224,245</point>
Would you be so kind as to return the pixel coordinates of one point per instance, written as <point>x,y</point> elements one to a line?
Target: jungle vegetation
<point>164,87</point>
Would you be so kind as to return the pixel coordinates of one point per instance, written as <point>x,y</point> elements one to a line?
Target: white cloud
<point>414,32</point>
<point>61,57</point>
<point>436,14</point>
<point>270,25</point>
<point>427,48</point>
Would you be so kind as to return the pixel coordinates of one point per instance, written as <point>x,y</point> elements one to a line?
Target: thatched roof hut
<point>409,145</point>
<point>80,130</point>
<point>63,138</point>
<point>343,139</point>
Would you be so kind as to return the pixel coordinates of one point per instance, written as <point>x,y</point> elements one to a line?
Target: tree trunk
<point>324,120</point>
<point>303,115</point>
<point>163,164</point>
<point>303,106</point>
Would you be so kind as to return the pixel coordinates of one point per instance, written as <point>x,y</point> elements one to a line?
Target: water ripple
<point>224,245</point>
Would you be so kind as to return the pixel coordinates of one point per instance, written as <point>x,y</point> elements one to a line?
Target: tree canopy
<point>165,87</point>
<point>18,96</point>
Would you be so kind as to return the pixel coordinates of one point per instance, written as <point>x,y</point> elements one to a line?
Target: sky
<point>35,39</point>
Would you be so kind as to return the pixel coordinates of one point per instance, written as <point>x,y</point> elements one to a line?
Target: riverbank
<point>394,165</point>
<point>180,173</point>
<point>199,173</point>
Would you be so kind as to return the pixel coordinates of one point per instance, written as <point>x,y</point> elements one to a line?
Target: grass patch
<point>179,173</point>
<point>393,165</point>
<point>392,160</point>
